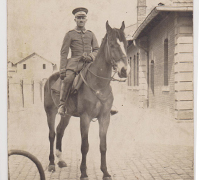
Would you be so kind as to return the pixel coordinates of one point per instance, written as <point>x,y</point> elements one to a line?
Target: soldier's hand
<point>62,75</point>
<point>87,59</point>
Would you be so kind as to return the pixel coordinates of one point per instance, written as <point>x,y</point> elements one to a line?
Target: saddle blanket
<point>76,84</point>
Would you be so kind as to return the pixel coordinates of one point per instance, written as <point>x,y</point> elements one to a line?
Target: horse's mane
<point>101,49</point>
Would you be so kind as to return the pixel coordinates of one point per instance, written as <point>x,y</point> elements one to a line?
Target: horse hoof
<point>107,178</point>
<point>62,164</point>
<point>51,168</point>
<point>85,178</point>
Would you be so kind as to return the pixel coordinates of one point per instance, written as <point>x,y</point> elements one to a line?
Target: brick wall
<point>141,11</point>
<point>175,97</point>
<point>163,97</point>
<point>132,88</point>
<point>143,87</point>
<point>184,66</point>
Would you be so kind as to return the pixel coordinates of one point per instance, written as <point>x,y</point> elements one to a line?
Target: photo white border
<point>196,6</point>
<point>3,89</point>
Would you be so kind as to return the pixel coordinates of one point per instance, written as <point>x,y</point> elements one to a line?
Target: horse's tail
<point>48,101</point>
<point>50,81</point>
<point>47,86</point>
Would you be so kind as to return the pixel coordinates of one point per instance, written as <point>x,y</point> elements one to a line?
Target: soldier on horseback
<point>81,41</point>
<point>84,48</point>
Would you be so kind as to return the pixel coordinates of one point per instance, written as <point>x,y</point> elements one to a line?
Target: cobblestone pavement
<point>142,162</point>
<point>127,159</point>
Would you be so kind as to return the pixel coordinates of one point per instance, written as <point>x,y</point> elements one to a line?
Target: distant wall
<point>34,68</point>
<point>24,94</point>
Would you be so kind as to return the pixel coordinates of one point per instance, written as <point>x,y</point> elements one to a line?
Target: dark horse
<point>93,100</point>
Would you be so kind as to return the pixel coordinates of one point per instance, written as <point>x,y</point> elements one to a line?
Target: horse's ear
<point>108,28</point>
<point>123,26</point>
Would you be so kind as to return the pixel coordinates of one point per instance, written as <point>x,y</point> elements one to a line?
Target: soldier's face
<point>80,21</point>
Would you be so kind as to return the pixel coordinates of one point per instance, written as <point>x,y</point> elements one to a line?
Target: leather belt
<point>79,53</point>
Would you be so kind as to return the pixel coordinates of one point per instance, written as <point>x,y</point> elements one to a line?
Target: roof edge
<point>155,12</point>
<point>174,8</point>
<point>34,53</point>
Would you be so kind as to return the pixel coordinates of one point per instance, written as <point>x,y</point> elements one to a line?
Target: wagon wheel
<point>32,158</point>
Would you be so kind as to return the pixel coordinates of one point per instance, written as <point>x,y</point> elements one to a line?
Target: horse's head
<point>117,50</point>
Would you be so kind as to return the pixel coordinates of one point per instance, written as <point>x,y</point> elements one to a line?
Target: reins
<point>97,92</point>
<point>100,77</point>
<point>109,79</point>
<point>113,63</point>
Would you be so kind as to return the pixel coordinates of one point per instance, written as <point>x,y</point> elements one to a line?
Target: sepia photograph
<point>100,90</point>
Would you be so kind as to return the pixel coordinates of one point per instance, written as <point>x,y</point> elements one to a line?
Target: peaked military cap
<point>81,11</point>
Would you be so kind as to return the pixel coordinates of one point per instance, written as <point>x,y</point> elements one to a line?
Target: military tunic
<point>79,42</point>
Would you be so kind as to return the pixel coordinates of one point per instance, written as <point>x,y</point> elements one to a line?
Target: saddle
<point>76,84</point>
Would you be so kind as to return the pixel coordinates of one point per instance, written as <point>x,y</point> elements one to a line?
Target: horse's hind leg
<point>51,123</point>
<point>103,127</point>
<point>59,134</point>
<point>84,125</point>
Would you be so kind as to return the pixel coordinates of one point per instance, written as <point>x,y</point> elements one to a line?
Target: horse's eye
<point>112,46</point>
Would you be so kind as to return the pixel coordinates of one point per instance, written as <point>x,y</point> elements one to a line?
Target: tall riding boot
<point>64,93</point>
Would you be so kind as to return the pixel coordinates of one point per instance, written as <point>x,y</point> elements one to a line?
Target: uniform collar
<point>79,31</point>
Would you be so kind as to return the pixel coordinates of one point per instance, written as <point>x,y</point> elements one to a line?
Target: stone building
<point>32,67</point>
<point>160,53</point>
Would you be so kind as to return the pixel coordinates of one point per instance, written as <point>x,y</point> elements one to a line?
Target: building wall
<point>184,66</point>
<point>176,97</point>
<point>182,2</point>
<point>11,70</point>
<point>34,68</point>
<point>132,88</point>
<point>163,97</point>
<point>143,77</point>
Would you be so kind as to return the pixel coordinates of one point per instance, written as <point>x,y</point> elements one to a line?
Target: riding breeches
<point>66,86</point>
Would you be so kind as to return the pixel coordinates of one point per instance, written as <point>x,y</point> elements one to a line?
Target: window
<point>44,66</point>
<point>24,66</point>
<point>133,78</point>
<point>130,76</point>
<point>152,76</point>
<point>137,69</point>
<point>166,62</point>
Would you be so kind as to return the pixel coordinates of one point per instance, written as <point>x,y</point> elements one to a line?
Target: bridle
<point>114,65</point>
<point>113,60</point>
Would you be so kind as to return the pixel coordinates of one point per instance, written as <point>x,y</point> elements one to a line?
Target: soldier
<point>84,48</point>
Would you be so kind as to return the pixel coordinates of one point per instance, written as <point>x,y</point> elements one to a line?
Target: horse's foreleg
<point>84,126</point>
<point>51,124</point>
<point>103,127</point>
<point>59,135</point>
